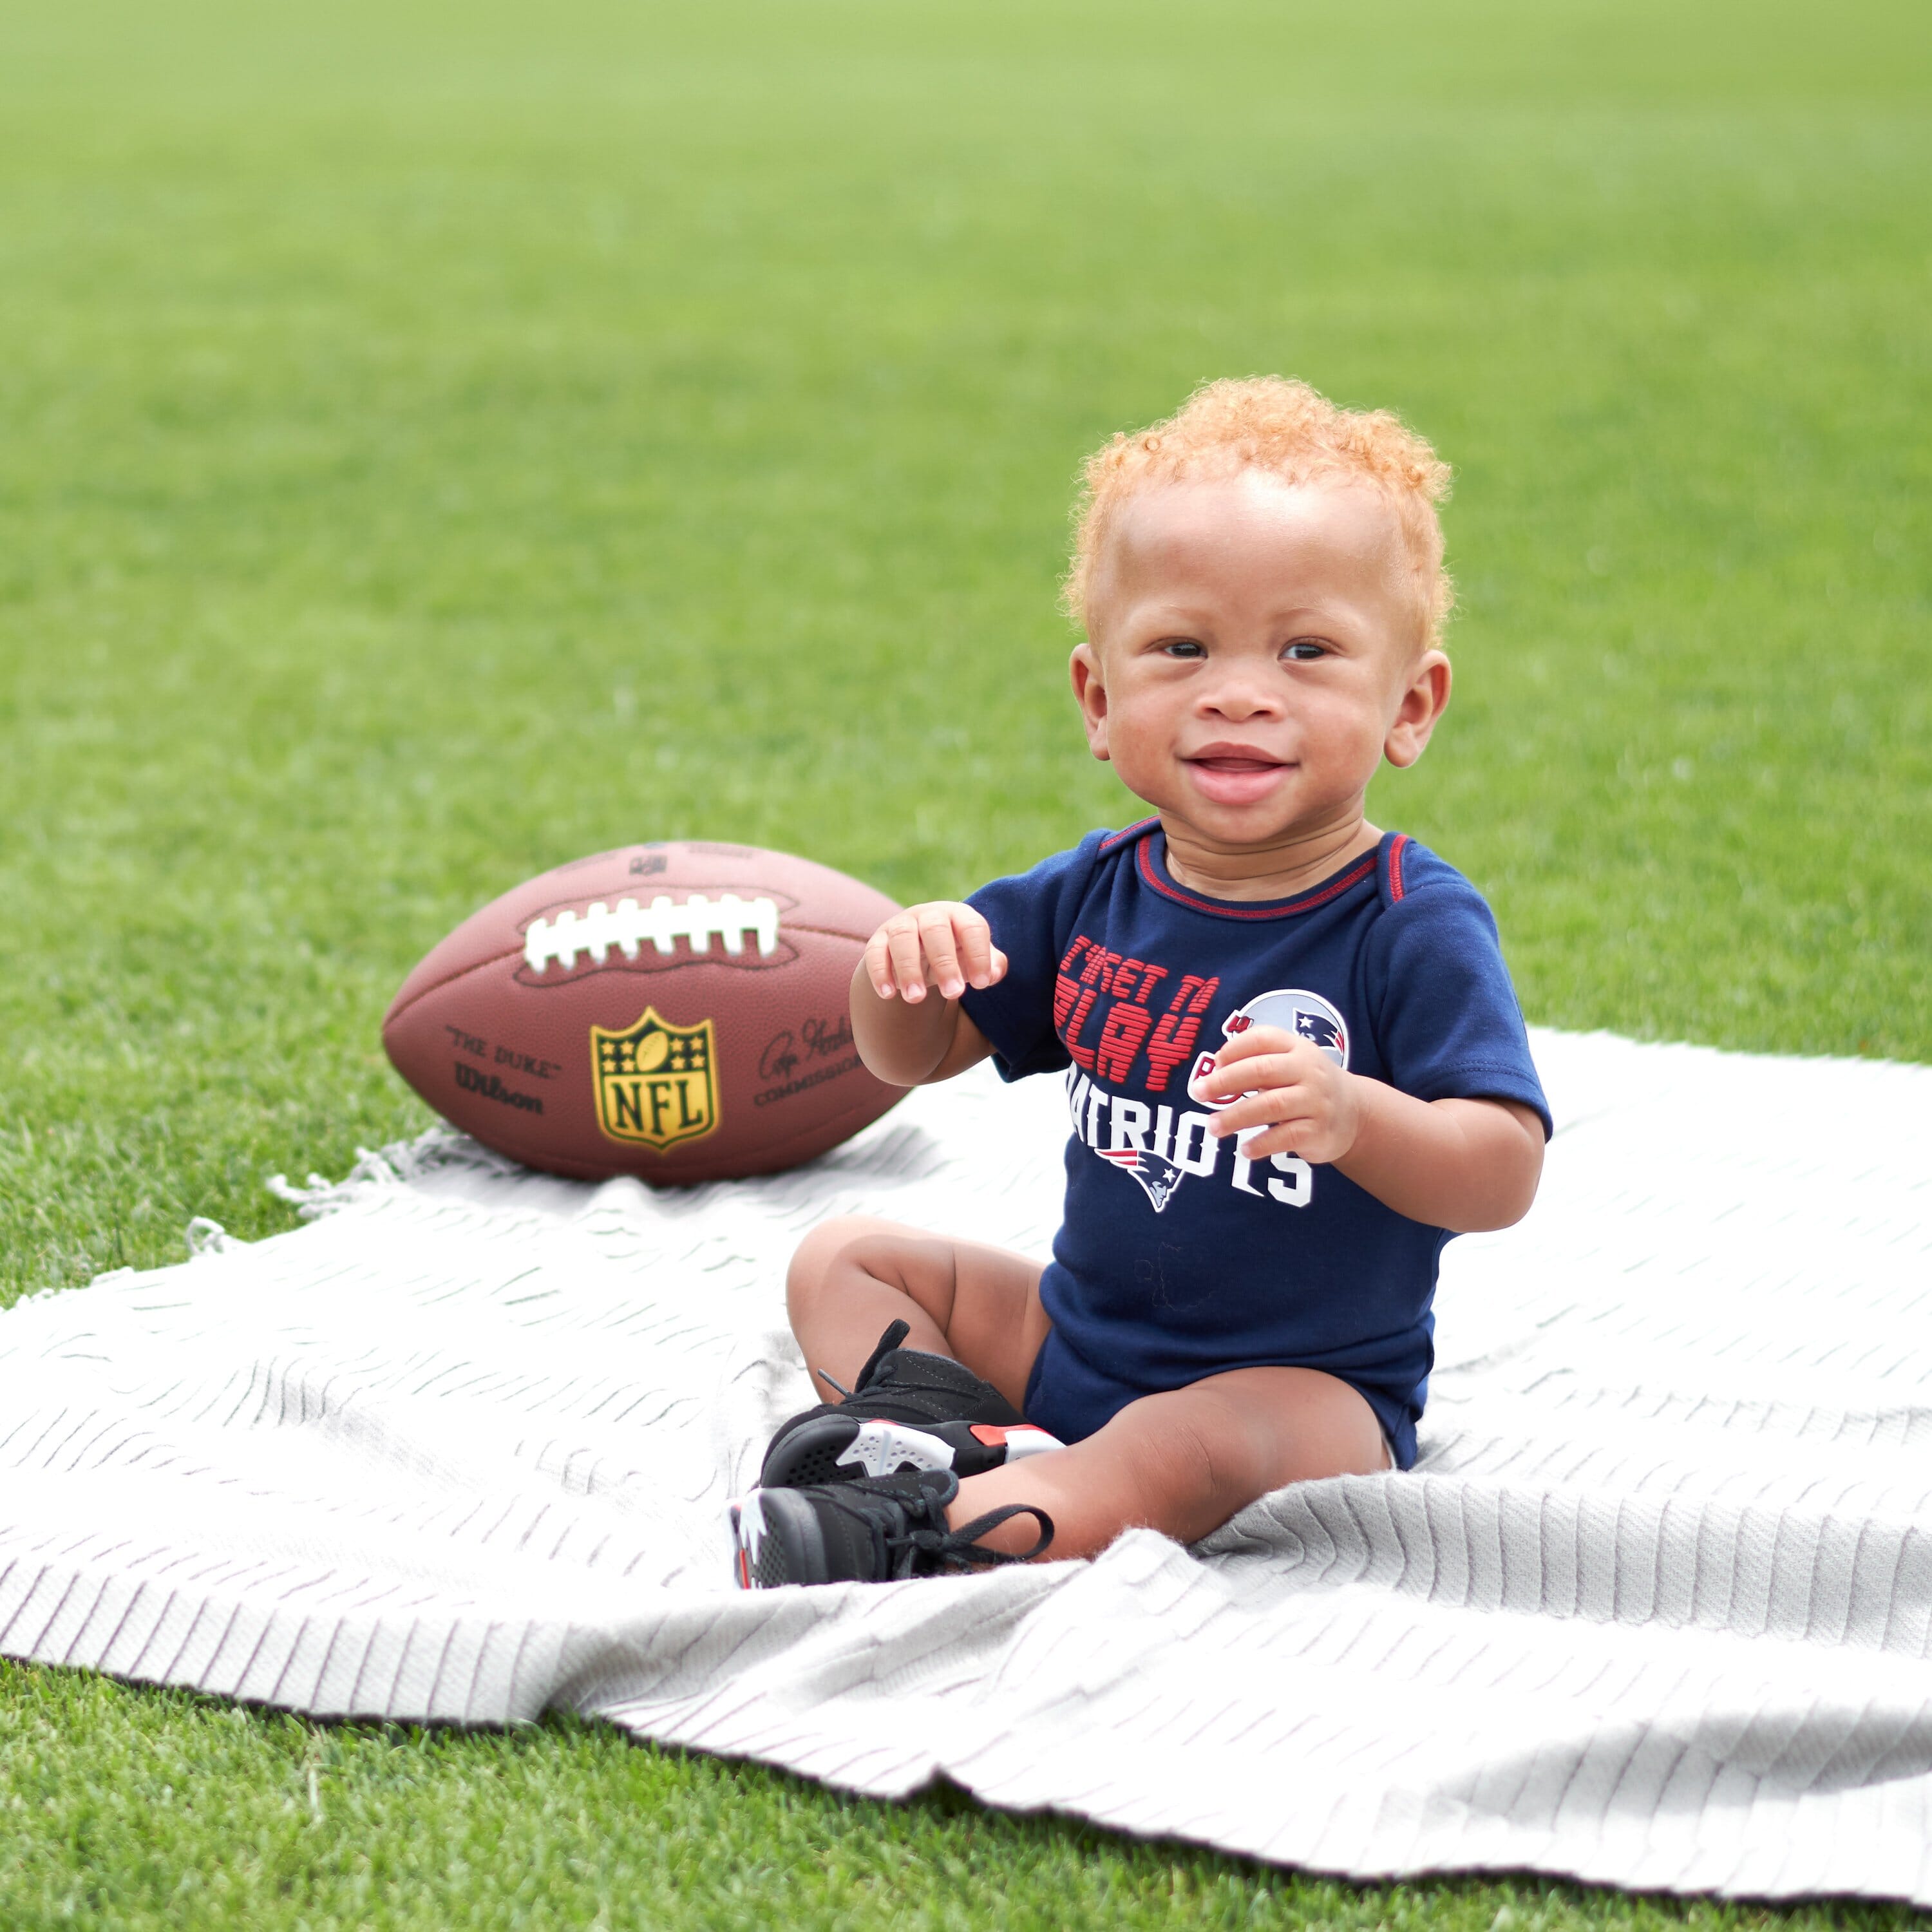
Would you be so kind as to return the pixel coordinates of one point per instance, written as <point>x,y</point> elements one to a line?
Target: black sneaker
<point>874,1530</point>
<point>910,1411</point>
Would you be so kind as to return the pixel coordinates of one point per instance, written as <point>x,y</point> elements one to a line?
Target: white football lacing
<point>664,922</point>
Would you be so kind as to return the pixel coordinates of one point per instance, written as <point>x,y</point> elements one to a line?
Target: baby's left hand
<point>1310,1105</point>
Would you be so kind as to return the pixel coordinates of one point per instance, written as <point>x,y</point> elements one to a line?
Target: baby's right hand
<point>943,944</point>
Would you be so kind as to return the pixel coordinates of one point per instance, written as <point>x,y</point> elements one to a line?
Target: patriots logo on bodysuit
<point>1158,1177</point>
<point>1319,1028</point>
<point>1294,1009</point>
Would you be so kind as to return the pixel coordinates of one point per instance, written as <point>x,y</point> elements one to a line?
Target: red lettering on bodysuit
<point>1073,999</point>
<point>1179,1026</point>
<point>1088,971</point>
<point>1127,1026</point>
<point>1082,1057</point>
<point>1099,970</point>
<point>1065,990</point>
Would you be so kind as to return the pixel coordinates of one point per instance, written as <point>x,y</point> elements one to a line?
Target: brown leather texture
<point>677,1011</point>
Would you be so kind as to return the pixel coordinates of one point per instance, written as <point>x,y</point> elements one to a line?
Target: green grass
<point>437,441</point>
<point>145,1810</point>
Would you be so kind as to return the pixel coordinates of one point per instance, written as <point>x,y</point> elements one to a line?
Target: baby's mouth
<point>1236,774</point>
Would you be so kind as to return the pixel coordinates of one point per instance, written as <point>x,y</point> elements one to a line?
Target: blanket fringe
<point>207,1238</point>
<point>377,1168</point>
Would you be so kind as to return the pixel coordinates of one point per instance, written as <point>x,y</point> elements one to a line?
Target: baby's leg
<point>852,1277</point>
<point>1184,1462</point>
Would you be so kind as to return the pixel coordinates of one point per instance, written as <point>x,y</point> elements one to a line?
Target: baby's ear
<point>1423,702</point>
<point>1089,693</point>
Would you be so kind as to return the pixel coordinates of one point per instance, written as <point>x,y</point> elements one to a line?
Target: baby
<point>1295,1065</point>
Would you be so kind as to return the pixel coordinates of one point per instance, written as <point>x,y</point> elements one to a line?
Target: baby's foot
<point>871,1530</point>
<point>910,1411</point>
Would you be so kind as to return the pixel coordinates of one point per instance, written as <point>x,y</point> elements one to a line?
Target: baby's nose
<point>1239,693</point>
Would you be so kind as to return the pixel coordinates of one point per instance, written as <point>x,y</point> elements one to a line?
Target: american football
<point>676,1011</point>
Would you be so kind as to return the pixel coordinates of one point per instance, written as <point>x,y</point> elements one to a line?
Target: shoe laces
<point>906,1521</point>
<point>961,1549</point>
<point>888,1343</point>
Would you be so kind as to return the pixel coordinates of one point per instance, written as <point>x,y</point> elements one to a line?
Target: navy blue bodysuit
<point>1177,1257</point>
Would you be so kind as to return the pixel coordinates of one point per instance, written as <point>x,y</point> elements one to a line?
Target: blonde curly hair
<point>1283,429</point>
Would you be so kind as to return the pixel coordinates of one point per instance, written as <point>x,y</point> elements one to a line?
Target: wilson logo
<point>473,1080</point>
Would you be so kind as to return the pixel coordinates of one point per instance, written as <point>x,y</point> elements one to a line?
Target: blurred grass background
<point>438,441</point>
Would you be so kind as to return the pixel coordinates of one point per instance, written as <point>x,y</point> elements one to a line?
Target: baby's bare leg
<point>1184,1462</point>
<point>853,1277</point>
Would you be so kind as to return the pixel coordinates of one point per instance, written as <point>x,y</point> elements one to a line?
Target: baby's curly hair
<point>1283,429</point>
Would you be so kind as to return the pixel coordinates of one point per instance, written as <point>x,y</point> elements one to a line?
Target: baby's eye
<point>1183,647</point>
<point>1305,650</point>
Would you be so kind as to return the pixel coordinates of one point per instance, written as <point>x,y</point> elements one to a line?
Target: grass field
<point>437,441</point>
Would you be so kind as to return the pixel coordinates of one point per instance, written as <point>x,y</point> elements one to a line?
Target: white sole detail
<point>1030,1442</point>
<point>881,1448</point>
<point>747,1517</point>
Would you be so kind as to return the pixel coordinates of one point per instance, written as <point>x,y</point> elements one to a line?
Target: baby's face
<point>1256,650</point>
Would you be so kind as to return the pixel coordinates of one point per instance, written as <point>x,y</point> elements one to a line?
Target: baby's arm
<point>1468,1165</point>
<point>906,1038</point>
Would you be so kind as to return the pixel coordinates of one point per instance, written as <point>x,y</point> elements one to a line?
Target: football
<point>676,1011</point>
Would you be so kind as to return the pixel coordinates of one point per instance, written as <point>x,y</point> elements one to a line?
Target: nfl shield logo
<point>657,1084</point>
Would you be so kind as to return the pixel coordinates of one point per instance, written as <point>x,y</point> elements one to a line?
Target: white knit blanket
<point>1654,1607</point>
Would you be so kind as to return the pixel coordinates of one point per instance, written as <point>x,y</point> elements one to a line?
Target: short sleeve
<point>1032,915</point>
<point>1447,1019</point>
